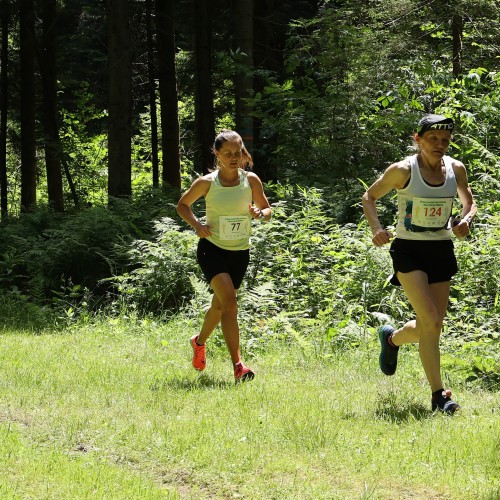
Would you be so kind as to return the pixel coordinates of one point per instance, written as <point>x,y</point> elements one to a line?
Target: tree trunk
<point>119,99</point>
<point>171,173</point>
<point>204,100</point>
<point>50,125</point>
<point>243,37</point>
<point>152,94</point>
<point>28,146</point>
<point>5,13</point>
<point>457,26</point>
<point>269,57</point>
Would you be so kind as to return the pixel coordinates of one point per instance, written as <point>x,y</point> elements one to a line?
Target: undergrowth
<point>310,281</point>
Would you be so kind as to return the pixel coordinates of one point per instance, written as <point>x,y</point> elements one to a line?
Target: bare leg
<point>430,303</point>
<point>225,295</point>
<point>212,319</point>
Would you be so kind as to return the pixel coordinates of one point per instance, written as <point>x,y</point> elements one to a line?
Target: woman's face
<point>434,143</point>
<point>230,155</point>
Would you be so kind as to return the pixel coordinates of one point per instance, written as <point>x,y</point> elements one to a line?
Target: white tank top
<point>423,210</point>
<point>227,213</point>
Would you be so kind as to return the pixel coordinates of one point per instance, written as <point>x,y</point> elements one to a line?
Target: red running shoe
<point>242,373</point>
<point>199,357</point>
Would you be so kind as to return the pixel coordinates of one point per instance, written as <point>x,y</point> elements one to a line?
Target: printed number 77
<point>236,226</point>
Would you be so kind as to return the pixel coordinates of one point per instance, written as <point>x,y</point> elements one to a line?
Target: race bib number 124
<point>431,212</point>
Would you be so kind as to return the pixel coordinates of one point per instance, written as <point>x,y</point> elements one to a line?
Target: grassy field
<point>114,410</point>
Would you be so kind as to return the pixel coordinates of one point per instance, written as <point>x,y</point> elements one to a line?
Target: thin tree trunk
<point>171,173</point>
<point>204,101</point>
<point>4,108</point>
<point>28,146</point>
<point>49,78</point>
<point>152,94</point>
<point>457,26</point>
<point>71,184</point>
<point>243,37</point>
<point>119,99</point>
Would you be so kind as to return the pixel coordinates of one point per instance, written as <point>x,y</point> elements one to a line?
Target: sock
<point>437,394</point>
<point>391,343</point>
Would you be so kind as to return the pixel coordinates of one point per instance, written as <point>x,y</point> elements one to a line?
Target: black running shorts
<point>435,258</point>
<point>214,260</point>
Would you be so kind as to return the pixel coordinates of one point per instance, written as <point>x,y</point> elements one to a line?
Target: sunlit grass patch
<point>117,407</point>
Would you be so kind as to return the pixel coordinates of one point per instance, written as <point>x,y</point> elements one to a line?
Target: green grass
<point>114,410</point>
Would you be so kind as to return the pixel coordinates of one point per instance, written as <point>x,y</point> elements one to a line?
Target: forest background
<point>109,109</point>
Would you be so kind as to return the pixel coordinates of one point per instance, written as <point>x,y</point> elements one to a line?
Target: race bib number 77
<point>234,227</point>
<point>431,212</point>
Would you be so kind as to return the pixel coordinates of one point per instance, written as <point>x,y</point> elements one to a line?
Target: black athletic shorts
<point>214,260</point>
<point>435,258</point>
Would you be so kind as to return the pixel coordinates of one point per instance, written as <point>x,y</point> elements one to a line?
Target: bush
<point>46,255</point>
<point>160,279</point>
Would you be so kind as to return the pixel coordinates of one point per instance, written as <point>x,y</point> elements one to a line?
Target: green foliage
<point>48,256</point>
<point>44,252</point>
<point>311,280</point>
<point>323,280</point>
<point>84,141</point>
<point>18,312</point>
<point>160,278</point>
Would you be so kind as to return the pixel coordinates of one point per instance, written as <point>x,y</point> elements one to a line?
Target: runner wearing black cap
<point>422,252</point>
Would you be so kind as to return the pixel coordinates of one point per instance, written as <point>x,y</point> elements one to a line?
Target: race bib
<point>431,212</point>
<point>234,227</point>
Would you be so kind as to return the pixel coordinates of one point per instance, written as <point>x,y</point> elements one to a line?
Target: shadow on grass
<point>188,383</point>
<point>486,381</point>
<point>395,409</point>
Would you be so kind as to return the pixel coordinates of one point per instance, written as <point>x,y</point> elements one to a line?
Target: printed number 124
<point>432,211</point>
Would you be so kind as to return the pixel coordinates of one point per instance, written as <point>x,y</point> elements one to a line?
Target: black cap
<point>434,122</point>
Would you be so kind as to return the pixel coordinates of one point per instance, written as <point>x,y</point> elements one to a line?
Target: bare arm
<point>394,177</point>
<point>469,207</point>
<point>259,198</point>
<point>198,189</point>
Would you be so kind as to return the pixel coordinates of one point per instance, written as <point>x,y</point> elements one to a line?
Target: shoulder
<point>253,179</point>
<point>458,170</point>
<point>202,184</point>
<point>204,179</point>
<point>403,166</point>
<point>456,165</point>
<point>398,173</point>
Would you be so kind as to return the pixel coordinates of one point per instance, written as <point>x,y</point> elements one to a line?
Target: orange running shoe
<point>242,373</point>
<point>199,357</point>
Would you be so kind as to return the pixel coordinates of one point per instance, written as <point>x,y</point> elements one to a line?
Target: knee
<point>216,307</point>
<point>229,306</point>
<point>432,323</point>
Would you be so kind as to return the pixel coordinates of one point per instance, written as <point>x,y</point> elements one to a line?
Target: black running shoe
<point>388,359</point>
<point>444,403</point>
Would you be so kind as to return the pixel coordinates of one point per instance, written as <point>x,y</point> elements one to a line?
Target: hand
<point>381,237</point>
<point>255,212</point>
<point>460,228</point>
<point>202,230</point>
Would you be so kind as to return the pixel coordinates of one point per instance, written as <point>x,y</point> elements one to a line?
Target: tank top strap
<point>448,165</point>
